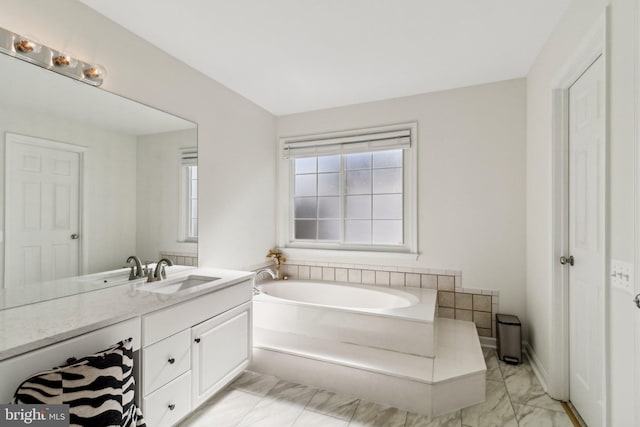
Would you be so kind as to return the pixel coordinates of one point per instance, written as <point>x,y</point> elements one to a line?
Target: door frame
<point>592,46</point>
<point>14,138</point>
<point>636,193</point>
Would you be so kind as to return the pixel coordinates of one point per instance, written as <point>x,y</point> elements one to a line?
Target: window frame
<point>188,158</point>
<point>285,214</point>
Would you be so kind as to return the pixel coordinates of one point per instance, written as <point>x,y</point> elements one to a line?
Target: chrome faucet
<point>159,272</point>
<point>138,272</point>
<point>269,271</point>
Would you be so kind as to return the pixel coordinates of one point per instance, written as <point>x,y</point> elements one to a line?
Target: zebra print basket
<point>99,388</point>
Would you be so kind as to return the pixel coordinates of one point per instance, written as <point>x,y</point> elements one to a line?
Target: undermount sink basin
<point>179,285</point>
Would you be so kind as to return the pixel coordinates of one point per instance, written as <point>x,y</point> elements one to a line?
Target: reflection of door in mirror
<point>129,178</point>
<point>42,210</point>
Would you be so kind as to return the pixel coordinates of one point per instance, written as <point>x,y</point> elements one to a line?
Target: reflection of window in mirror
<point>189,195</point>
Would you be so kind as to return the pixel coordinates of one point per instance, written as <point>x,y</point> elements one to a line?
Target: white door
<point>587,243</point>
<point>42,213</point>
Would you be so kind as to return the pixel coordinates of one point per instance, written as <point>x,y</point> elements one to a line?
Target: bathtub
<point>399,320</point>
<point>377,343</point>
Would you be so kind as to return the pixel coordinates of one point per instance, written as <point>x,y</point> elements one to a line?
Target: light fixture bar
<point>24,48</point>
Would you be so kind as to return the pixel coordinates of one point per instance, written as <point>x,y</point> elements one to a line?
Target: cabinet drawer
<point>166,360</point>
<point>168,404</point>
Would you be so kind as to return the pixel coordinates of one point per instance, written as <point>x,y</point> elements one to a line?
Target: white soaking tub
<point>372,316</point>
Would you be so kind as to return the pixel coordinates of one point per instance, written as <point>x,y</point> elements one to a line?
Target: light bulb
<point>25,45</point>
<point>63,60</point>
<point>95,72</point>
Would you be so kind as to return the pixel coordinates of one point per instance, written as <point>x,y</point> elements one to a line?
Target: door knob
<point>567,260</point>
<point>75,236</point>
<point>637,300</point>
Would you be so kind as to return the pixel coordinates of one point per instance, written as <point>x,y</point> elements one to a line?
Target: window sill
<point>351,257</point>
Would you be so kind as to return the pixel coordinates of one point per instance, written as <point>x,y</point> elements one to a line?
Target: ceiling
<point>291,56</point>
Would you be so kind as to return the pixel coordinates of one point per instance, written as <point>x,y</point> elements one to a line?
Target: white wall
<point>471,167</point>
<point>580,16</point>
<point>158,191</point>
<point>235,137</point>
<point>110,231</point>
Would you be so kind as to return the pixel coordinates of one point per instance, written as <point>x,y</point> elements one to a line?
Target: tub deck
<point>453,379</point>
<point>404,357</point>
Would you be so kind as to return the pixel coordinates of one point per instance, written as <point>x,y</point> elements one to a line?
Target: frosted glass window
<point>305,185</point>
<point>329,184</point>
<point>358,161</point>
<point>306,165</point>
<point>357,207</point>
<point>358,182</point>
<point>357,231</point>
<point>387,206</point>
<point>353,199</point>
<point>387,159</point>
<point>329,164</point>
<point>306,229</point>
<point>305,207</point>
<point>387,180</point>
<point>328,230</point>
<point>328,207</point>
<point>387,232</point>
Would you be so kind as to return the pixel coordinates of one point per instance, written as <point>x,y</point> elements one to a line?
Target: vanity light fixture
<point>27,49</point>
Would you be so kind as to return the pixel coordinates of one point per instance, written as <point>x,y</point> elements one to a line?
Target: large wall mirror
<point>89,178</point>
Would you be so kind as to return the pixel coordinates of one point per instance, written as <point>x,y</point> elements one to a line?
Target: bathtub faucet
<point>270,272</point>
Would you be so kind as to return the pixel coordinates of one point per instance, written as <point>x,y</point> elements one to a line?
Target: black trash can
<point>509,338</point>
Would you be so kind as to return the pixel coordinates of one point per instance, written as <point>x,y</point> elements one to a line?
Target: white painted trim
<point>537,366</point>
<point>593,45</point>
<point>83,214</point>
<point>636,196</point>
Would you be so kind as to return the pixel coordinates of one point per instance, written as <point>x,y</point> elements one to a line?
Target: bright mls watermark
<point>34,415</point>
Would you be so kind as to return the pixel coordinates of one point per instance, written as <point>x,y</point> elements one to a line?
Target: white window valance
<point>345,143</point>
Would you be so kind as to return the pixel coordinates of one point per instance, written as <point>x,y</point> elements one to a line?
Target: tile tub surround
<point>181,258</point>
<point>264,400</point>
<point>454,301</point>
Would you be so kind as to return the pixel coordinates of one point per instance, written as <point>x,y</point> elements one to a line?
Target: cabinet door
<point>221,349</point>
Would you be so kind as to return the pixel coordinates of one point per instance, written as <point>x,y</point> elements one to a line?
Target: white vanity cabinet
<point>220,351</point>
<point>192,350</point>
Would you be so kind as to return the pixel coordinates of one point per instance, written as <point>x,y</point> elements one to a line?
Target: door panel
<point>221,350</point>
<point>586,243</point>
<point>42,212</point>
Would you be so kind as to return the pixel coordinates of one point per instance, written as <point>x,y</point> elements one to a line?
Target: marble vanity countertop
<point>33,326</point>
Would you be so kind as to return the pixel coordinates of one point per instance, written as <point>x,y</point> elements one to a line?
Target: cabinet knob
<point>172,406</point>
<point>171,361</point>
<point>197,340</point>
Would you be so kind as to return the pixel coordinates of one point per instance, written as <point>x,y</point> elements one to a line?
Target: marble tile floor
<point>514,398</point>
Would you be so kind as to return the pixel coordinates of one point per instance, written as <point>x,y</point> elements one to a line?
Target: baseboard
<point>487,342</point>
<point>536,365</point>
